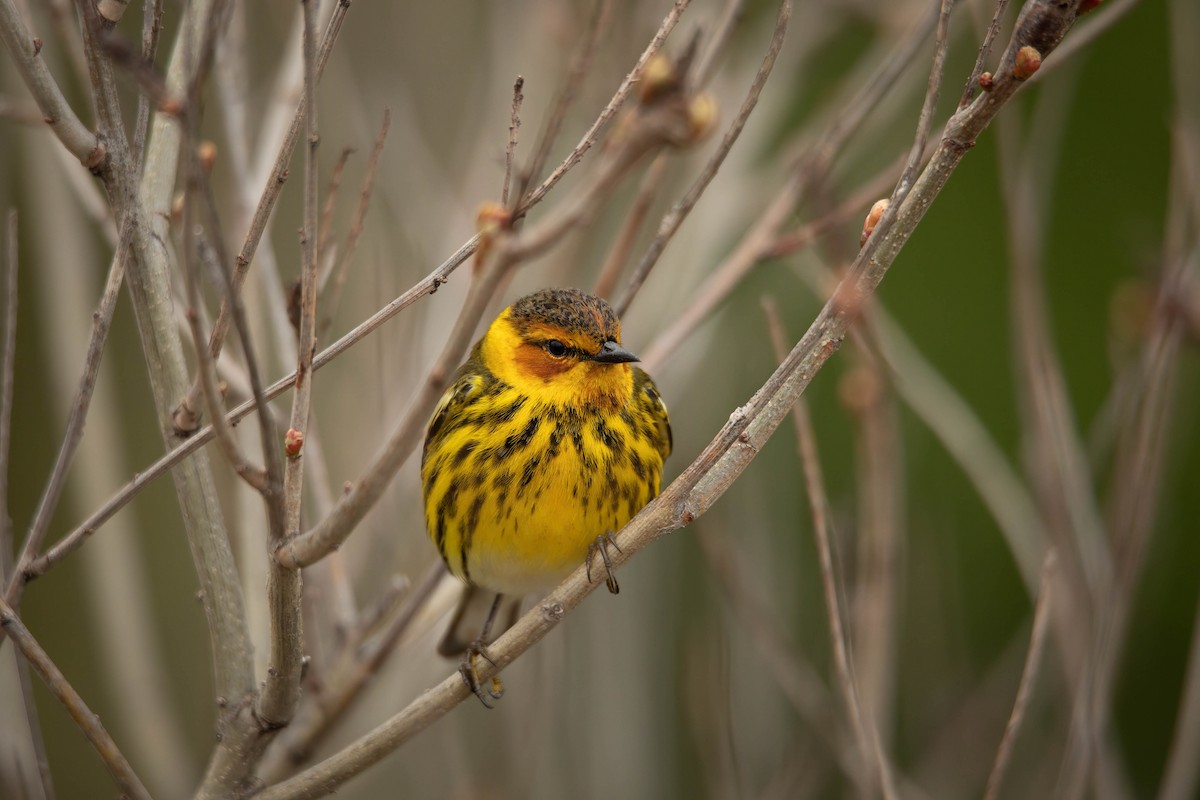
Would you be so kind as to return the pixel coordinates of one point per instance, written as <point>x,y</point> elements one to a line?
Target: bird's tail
<point>470,617</point>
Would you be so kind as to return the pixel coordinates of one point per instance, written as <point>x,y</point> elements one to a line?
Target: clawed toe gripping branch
<point>600,546</point>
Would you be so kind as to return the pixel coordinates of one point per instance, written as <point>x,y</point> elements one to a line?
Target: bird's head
<point>561,346</point>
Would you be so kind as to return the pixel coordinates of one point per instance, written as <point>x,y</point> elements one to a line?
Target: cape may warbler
<point>547,441</point>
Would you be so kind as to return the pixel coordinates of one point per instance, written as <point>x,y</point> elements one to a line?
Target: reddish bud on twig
<point>872,219</point>
<point>293,442</point>
<point>206,151</point>
<point>985,81</point>
<point>490,219</point>
<point>37,45</point>
<point>1027,62</point>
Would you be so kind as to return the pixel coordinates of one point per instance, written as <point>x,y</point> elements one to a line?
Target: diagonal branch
<point>123,774</point>
<point>25,51</point>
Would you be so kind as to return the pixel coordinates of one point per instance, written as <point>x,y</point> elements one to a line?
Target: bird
<point>546,442</point>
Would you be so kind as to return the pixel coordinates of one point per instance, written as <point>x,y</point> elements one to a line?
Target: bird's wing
<point>466,387</point>
<point>648,397</point>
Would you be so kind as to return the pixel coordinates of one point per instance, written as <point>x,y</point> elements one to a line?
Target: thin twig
<point>514,127</point>
<point>589,136</point>
<point>76,537</point>
<point>874,610</point>
<point>862,725</point>
<point>1058,464</point>
<point>427,285</point>
<point>270,193</point>
<point>281,690</point>
<point>361,661</point>
<point>985,50</point>
<point>330,532</point>
<point>52,493</point>
<point>936,403</point>
<point>799,681</point>
<point>1033,663</point>
<point>679,212</point>
<point>618,254</point>
<point>255,476</point>
<point>1182,771</point>
<point>325,235</point>
<point>330,290</point>
<point>562,101</point>
<point>924,125</point>
<point>810,169</point>
<point>152,13</point>
<point>75,136</point>
<point>8,352</point>
<point>144,208</point>
<point>723,32</point>
<point>761,243</point>
<point>122,774</point>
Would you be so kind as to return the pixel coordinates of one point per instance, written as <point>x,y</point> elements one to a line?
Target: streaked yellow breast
<point>517,488</point>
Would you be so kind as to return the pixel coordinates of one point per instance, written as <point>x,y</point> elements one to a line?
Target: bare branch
<point>271,192</point>
<point>122,774</point>
<point>562,101</point>
<point>864,727</point>
<point>514,126</point>
<point>619,253</point>
<point>8,354</point>
<point>83,143</point>
<point>1033,663</point>
<point>75,538</point>
<point>679,212</point>
<point>331,289</point>
<point>985,50</point>
<point>589,137</point>
<point>281,690</point>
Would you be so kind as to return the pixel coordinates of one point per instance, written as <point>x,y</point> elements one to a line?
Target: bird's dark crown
<point>569,309</point>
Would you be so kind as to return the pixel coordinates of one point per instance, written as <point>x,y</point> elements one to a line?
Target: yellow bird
<point>547,441</point>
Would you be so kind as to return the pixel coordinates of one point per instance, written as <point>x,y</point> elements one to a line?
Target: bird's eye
<point>556,348</point>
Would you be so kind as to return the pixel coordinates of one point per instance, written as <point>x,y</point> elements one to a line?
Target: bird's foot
<point>469,671</point>
<point>601,546</point>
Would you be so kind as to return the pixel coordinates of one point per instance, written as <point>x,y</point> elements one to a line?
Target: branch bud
<point>293,442</point>
<point>490,220</point>
<point>1027,62</point>
<point>206,151</point>
<point>657,79</point>
<point>702,116</point>
<point>873,217</point>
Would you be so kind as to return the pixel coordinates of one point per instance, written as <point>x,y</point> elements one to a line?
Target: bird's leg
<point>601,546</point>
<point>477,650</point>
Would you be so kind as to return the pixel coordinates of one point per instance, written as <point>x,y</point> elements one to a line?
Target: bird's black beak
<point>612,353</point>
